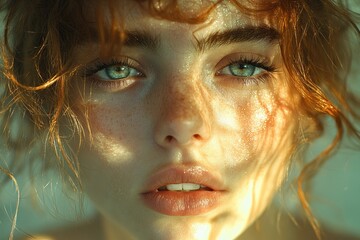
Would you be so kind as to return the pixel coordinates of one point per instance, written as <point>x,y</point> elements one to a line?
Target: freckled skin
<point>180,113</point>
<point>191,112</point>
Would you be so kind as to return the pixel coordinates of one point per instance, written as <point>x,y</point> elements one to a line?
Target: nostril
<point>197,136</point>
<point>169,138</point>
<point>181,132</point>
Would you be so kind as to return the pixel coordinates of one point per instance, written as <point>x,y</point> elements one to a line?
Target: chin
<point>192,227</point>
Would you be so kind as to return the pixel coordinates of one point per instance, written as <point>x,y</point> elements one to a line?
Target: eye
<point>241,69</point>
<point>117,72</point>
<point>246,69</point>
<point>114,74</point>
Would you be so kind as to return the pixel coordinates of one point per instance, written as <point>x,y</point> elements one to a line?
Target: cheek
<point>111,142</point>
<point>268,122</point>
<point>271,139</point>
<point>259,154</point>
<point>252,130</point>
<point>108,135</point>
<point>116,132</point>
<point>108,120</point>
<point>259,145</point>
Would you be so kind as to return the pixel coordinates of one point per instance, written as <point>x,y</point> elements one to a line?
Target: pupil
<point>242,70</point>
<point>115,72</point>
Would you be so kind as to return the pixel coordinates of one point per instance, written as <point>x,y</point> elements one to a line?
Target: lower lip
<point>182,203</point>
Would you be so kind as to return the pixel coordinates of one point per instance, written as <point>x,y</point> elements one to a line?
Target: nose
<point>184,117</point>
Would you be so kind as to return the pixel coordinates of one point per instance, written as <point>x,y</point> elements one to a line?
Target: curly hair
<point>40,36</point>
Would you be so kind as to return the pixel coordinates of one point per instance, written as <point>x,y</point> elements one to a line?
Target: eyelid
<point>91,70</point>
<point>243,56</point>
<point>99,64</point>
<point>265,64</point>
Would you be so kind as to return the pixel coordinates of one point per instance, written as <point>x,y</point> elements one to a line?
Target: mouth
<point>184,187</point>
<point>183,191</point>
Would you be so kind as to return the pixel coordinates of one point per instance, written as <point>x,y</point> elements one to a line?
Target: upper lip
<point>175,174</point>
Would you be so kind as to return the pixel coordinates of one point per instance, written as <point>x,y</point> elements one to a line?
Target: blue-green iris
<point>117,71</point>
<point>242,70</point>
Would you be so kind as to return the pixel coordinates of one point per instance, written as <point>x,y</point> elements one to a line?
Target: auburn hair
<point>39,37</point>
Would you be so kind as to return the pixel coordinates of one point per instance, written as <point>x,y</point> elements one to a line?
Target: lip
<point>183,203</point>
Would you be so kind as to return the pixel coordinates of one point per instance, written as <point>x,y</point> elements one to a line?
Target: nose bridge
<point>184,114</point>
<point>185,100</point>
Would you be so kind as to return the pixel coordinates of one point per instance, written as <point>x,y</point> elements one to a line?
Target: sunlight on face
<point>191,137</point>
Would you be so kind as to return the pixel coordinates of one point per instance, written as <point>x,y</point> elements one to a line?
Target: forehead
<point>196,14</point>
<point>110,22</point>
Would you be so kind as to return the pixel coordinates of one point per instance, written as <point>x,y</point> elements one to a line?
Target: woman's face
<point>191,125</point>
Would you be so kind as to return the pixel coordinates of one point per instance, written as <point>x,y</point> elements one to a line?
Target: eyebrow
<point>144,39</point>
<point>141,39</point>
<point>237,35</point>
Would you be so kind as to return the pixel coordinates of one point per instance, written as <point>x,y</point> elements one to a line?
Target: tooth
<point>174,187</point>
<point>183,187</point>
<point>190,186</point>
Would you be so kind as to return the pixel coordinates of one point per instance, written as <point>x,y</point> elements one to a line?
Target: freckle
<point>185,101</point>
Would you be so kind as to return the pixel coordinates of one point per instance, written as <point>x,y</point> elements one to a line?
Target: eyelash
<point>255,61</point>
<point>99,65</point>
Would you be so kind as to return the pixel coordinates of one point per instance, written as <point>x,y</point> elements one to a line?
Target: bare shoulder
<point>89,230</point>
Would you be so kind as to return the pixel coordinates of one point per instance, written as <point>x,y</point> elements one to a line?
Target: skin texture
<point>185,108</point>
